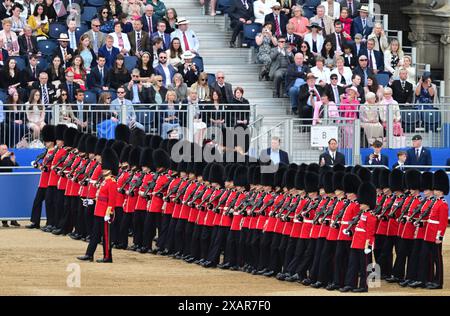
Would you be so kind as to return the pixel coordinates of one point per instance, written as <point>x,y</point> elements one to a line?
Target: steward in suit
<point>331,156</point>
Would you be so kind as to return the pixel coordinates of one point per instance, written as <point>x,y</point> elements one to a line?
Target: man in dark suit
<point>375,58</point>
<point>134,90</point>
<point>353,7</point>
<point>240,13</point>
<point>293,39</point>
<point>278,21</point>
<point>139,36</point>
<point>98,79</point>
<point>402,90</point>
<point>161,32</point>
<point>377,158</point>
<point>337,38</point>
<point>225,88</point>
<point>333,90</point>
<point>27,42</point>
<point>64,52</point>
<point>188,69</point>
<point>331,156</point>
<point>295,77</point>
<point>70,86</point>
<point>48,90</point>
<point>401,159</point>
<point>308,95</point>
<point>109,52</point>
<point>363,70</point>
<point>5,9</point>
<point>149,20</point>
<point>31,73</point>
<point>418,155</point>
<point>358,46</point>
<point>362,24</point>
<point>274,153</point>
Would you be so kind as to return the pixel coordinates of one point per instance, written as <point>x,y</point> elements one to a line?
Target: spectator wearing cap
<point>149,20</point>
<point>64,51</point>
<point>278,20</point>
<point>281,57</point>
<point>188,68</point>
<point>325,21</point>
<point>139,40</point>
<point>334,90</point>
<point>362,24</point>
<point>240,13</point>
<point>363,70</point>
<point>418,155</point>
<point>161,32</point>
<point>109,52</point>
<point>377,158</point>
<point>314,38</point>
<point>308,96</point>
<point>295,78</point>
<point>188,38</point>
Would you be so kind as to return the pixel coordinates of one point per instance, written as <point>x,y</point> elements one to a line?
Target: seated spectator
<point>145,66</point>
<point>406,63</point>
<point>308,57</point>
<point>386,102</point>
<point>225,88</point>
<point>48,90</point>
<point>64,51</point>
<point>392,56</point>
<point>35,113</point>
<point>149,19</point>
<point>292,39</point>
<point>120,40</point>
<point>116,109</point>
<point>374,58</point>
<point>327,106</point>
<point>17,22</point>
<point>105,120</point>
<point>300,22</point>
<point>14,120</point>
<point>346,21</point>
<point>169,117</point>
<point>344,73</point>
<point>159,7</point>
<point>114,8</point>
<point>165,70</point>
<point>349,59</point>
<point>260,9</point>
<point>179,87</point>
<point>157,48</point>
<point>402,89</point>
<point>214,114</point>
<point>39,22</point>
<point>379,37</point>
<point>125,24</point>
<point>362,24</point>
<point>373,86</point>
<point>349,109</point>
<point>11,76</point>
<point>199,125</point>
<point>334,90</point>
<point>158,91</point>
<point>70,86</point>
<point>327,53</point>
<point>265,42</point>
<point>356,82</point>
<point>106,19</point>
<point>370,119</point>
<point>281,57</point>
<point>118,74</point>
<point>161,32</point>
<point>309,98</point>
<point>425,91</point>
<point>314,39</point>
<point>332,9</point>
<point>72,34</point>
<point>338,38</point>
<point>418,155</point>
<point>175,52</point>
<point>135,90</point>
<point>359,46</point>
<point>321,72</point>
<point>9,38</point>
<point>240,13</point>
<point>171,20</point>
<point>274,154</point>
<point>188,38</point>
<point>279,27</point>
<point>363,70</point>
<point>188,69</point>
<point>240,108</point>
<point>401,161</point>
<point>98,78</point>
<point>377,158</point>
<point>81,111</point>
<point>55,71</point>
<point>96,37</point>
<point>133,8</point>
<point>202,87</point>
<point>27,42</point>
<point>79,73</point>
<point>66,115</point>
<point>31,73</point>
<point>332,156</point>
<point>295,78</point>
<point>325,21</point>
<point>87,53</point>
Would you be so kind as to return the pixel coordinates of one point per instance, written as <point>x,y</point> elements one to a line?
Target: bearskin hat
<point>137,137</point>
<point>161,159</point>
<point>376,177</point>
<point>229,171</point>
<point>293,165</point>
<point>146,158</point>
<point>412,177</point>
<point>198,168</point>
<point>426,181</point>
<point>355,169</point>
<point>396,180</point>
<point>367,194</point>
<point>279,176</point>
<point>440,181</point>
<point>110,142</point>
<point>69,136</point>
<point>91,142</point>
<point>123,133</point>
<point>364,174</point>
<point>110,161</point>
<point>348,169</point>
<point>240,177</point>
<point>251,173</point>
<point>313,167</point>
<point>339,167</point>
<point>205,173</point>
<point>300,180</point>
<point>351,183</point>
<point>303,167</point>
<point>125,153</point>
<point>183,167</point>
<point>48,133</point>
<point>338,180</point>
<point>134,157</point>
<point>257,175</point>
<point>311,182</point>
<point>289,178</point>
<point>328,182</point>
<point>383,180</point>
<point>267,178</point>
<point>217,174</point>
<point>82,143</point>
<point>118,146</point>
<point>242,137</point>
<point>101,144</point>
<point>163,144</point>
<point>155,142</point>
<point>59,131</point>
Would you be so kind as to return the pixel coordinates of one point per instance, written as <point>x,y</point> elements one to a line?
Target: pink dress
<point>348,110</point>
<point>300,25</point>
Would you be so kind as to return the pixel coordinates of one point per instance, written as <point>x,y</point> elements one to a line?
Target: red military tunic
<point>315,232</point>
<point>141,202</point>
<point>334,232</point>
<point>392,228</point>
<point>45,175</point>
<point>177,208</point>
<point>201,215</point>
<point>53,178</point>
<point>420,231</point>
<point>225,220</point>
<point>351,211</point>
<point>406,231</point>
<point>308,222</point>
<point>254,219</point>
<point>209,219</point>
<point>382,227</point>
<point>156,203</point>
<point>194,213</point>
<point>186,209</point>
<point>92,188</point>
<point>364,231</point>
<point>272,221</point>
<point>287,226</point>
<point>262,218</point>
<point>297,225</point>
<point>77,177</point>
<point>69,170</point>
<point>130,202</point>
<point>123,177</point>
<point>325,227</point>
<point>437,221</point>
<point>106,197</point>
<point>168,207</point>
<point>85,188</point>
<point>279,224</point>
<point>236,222</point>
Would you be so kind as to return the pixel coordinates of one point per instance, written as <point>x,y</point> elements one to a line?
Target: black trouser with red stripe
<point>80,226</point>
<point>163,232</point>
<point>195,241</point>
<point>242,254</point>
<point>100,229</point>
<point>59,207</point>
<point>413,261</point>
<point>431,267</point>
<point>115,226</point>
<point>404,252</point>
<point>89,219</point>
<point>314,270</point>
<point>357,268</point>
<point>306,260</point>
<point>326,264</point>
<point>264,250</point>
<point>248,247</point>
<point>50,198</point>
<point>232,248</point>
<point>74,206</point>
<point>138,227</point>
<point>282,249</point>
<point>341,261</point>
<point>205,241</point>
<point>36,210</point>
<point>387,257</point>
<point>125,224</point>
<point>275,259</point>
<point>152,222</point>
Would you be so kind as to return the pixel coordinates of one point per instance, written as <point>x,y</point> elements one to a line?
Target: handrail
<point>270,130</point>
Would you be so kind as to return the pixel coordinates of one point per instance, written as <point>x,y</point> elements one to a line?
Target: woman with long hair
<point>55,71</point>
<point>346,21</point>
<point>240,108</point>
<point>202,87</point>
<point>215,112</point>
<point>11,76</point>
<point>18,22</point>
<point>327,53</point>
<point>145,66</point>
<point>86,52</point>
<point>39,21</point>
<point>65,109</point>
<point>378,34</point>
<point>35,113</point>
<point>174,53</point>
<point>373,86</point>
<point>15,118</point>
<point>118,74</point>
<point>179,86</point>
<point>50,11</point>
<point>171,20</point>
<point>104,15</point>
<point>169,118</point>
<point>392,56</point>
<point>114,7</point>
<point>79,73</point>
<point>308,57</point>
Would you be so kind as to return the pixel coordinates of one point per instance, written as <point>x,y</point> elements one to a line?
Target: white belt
<point>433,222</point>
<point>357,229</point>
<point>93,181</point>
<point>345,223</point>
<point>308,221</point>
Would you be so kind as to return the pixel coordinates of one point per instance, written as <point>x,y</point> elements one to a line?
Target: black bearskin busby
<point>69,136</point>
<point>125,153</point>
<point>364,174</point>
<point>240,177</point>
<point>82,143</point>
<point>118,146</point>
<point>351,183</point>
<point>217,174</point>
<point>338,180</point>
<point>328,182</point>
<point>338,167</point>
<point>279,175</point>
<point>161,159</point>
<point>396,180</point>
<point>134,157</point>
<point>289,178</point>
<point>383,180</point>
<point>267,179</point>
<point>91,142</point>
<point>300,180</point>
<point>137,137</point>
<point>426,181</point>
<point>59,131</point>
<point>376,177</point>
<point>101,144</point>
<point>313,167</point>
<point>123,133</point>
<point>367,194</point>
<point>412,179</point>
<point>440,181</point>
<point>146,159</point>
<point>205,173</point>
<point>155,142</point>
<point>311,182</point>
<point>48,133</point>
<point>110,161</point>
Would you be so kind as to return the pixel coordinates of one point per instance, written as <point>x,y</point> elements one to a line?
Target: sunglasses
<point>202,79</point>
<point>108,98</point>
<point>64,94</point>
<point>121,92</point>
<point>220,77</point>
<point>281,41</point>
<point>105,12</point>
<point>96,25</point>
<point>134,76</point>
<point>334,78</point>
<point>363,60</point>
<point>162,57</point>
<point>277,9</point>
<point>159,80</point>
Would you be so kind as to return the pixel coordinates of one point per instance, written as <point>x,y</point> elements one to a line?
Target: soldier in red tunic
<point>431,267</point>
<point>104,208</point>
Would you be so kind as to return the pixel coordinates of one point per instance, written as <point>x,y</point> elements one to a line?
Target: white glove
<point>85,202</point>
<point>107,218</point>
<point>368,250</point>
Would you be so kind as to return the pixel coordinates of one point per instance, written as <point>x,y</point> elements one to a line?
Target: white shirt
<point>191,38</point>
<point>167,73</point>
<point>275,156</point>
<point>259,6</point>
<point>126,41</point>
<point>322,75</point>
<point>332,154</point>
<point>373,60</point>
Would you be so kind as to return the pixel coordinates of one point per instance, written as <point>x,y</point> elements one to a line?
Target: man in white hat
<point>63,50</point>
<point>188,69</point>
<point>279,21</point>
<point>188,38</point>
<point>362,24</point>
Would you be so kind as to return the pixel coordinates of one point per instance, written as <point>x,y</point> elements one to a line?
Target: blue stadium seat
<point>20,62</point>
<point>130,62</point>
<point>90,97</point>
<point>55,29</point>
<point>199,63</point>
<point>223,5</point>
<point>42,62</point>
<point>3,96</point>
<point>250,31</point>
<point>47,47</point>
<point>95,3</point>
<point>211,79</point>
<point>83,28</point>
<point>383,79</point>
<point>88,14</point>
